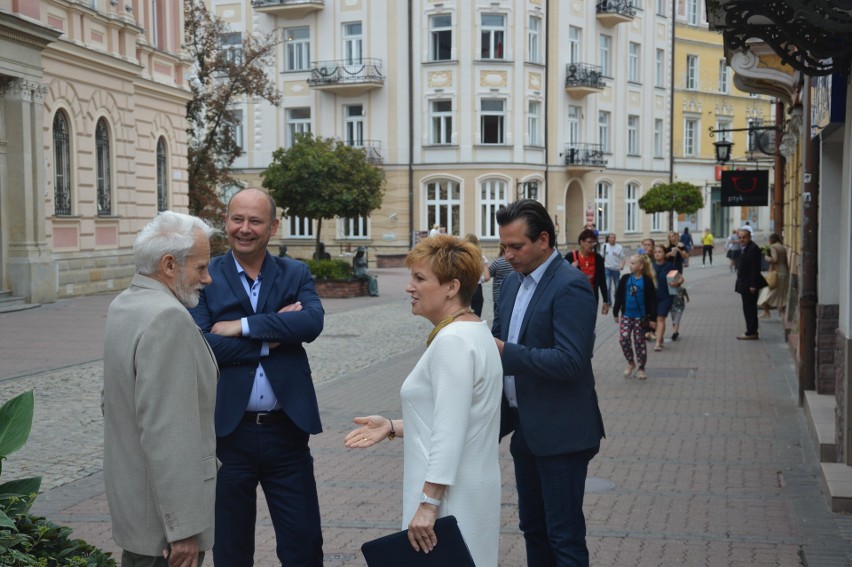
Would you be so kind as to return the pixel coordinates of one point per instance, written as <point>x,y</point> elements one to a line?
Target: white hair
<point>169,233</point>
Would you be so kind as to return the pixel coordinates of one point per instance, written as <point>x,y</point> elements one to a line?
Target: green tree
<point>680,197</point>
<point>322,178</point>
<point>224,75</point>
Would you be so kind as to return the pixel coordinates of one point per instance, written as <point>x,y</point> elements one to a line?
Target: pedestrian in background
<point>450,407</point>
<point>733,250</point>
<point>749,283</point>
<point>776,297</point>
<point>497,271</point>
<point>478,299</point>
<point>636,299</point>
<point>613,255</point>
<point>662,267</point>
<point>707,241</point>
<point>591,264</point>
<point>675,251</point>
<point>686,240</point>
<point>158,399</point>
<point>679,301</point>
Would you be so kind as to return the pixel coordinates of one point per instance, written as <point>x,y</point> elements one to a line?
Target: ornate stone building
<point>92,139</point>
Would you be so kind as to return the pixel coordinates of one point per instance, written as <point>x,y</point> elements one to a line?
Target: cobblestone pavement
<point>706,463</point>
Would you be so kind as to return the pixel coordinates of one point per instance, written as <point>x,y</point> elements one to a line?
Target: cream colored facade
<point>94,93</point>
<point>481,115</point>
<point>705,96</point>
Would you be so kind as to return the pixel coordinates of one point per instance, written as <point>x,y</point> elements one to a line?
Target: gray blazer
<point>159,441</point>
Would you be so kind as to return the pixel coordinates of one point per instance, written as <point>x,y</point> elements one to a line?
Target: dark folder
<point>394,550</point>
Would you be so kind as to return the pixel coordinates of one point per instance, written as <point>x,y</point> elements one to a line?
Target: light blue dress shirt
<point>522,301</point>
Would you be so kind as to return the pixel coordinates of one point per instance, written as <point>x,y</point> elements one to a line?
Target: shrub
<point>330,269</point>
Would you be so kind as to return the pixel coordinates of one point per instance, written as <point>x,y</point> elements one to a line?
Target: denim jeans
<point>612,277</point>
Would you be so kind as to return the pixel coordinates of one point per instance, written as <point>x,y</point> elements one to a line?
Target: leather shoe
<point>753,337</point>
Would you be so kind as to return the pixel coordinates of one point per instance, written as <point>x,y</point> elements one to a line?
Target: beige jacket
<point>159,442</point>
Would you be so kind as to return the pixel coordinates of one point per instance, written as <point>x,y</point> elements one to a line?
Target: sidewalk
<point>707,462</point>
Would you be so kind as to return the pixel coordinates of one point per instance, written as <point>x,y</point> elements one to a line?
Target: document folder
<point>394,550</point>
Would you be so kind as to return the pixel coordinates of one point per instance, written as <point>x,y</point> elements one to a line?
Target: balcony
<point>290,9</point>
<point>347,78</point>
<point>582,79</point>
<point>612,12</point>
<point>580,158</point>
<point>373,148</point>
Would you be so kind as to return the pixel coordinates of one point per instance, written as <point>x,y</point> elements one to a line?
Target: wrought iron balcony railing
<point>282,3</point>
<point>619,7</point>
<point>584,155</point>
<point>373,148</point>
<point>583,75</point>
<point>344,71</point>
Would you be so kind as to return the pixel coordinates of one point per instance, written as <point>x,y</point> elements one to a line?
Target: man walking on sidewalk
<point>749,283</point>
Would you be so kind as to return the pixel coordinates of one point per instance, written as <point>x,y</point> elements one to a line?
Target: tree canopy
<point>679,197</point>
<point>322,178</point>
<point>228,70</point>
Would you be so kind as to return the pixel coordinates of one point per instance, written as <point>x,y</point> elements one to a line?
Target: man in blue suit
<point>545,330</point>
<point>256,316</point>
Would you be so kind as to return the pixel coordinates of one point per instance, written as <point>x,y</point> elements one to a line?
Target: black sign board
<point>745,188</point>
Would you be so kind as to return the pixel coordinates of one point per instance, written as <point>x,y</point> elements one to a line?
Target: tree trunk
<point>671,220</point>
<point>317,243</point>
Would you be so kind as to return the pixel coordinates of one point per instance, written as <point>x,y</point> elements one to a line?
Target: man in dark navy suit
<point>545,331</point>
<point>256,317</point>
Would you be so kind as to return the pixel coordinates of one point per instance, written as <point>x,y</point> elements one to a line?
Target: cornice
<point>24,30</point>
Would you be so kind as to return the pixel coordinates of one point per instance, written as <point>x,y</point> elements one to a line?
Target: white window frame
<point>660,68</point>
<point>575,121</point>
<point>297,49</point>
<point>631,208</point>
<point>439,31</point>
<point>231,44</point>
<point>534,39</point>
<point>691,72</point>
<point>103,168</point>
<point>575,44</point>
<point>603,206</point>
<point>533,123</point>
<point>691,127</point>
<point>605,54</point>
<point>443,211</point>
<point>486,115</point>
<point>493,37</point>
<point>441,122</point>
<point>353,228</point>
<point>604,129</point>
<point>634,63</point>
<point>692,12</point>
<point>657,222</point>
<point>236,123</point>
<point>661,7</point>
<point>724,83</point>
<point>723,135</point>
<point>299,227</point>
<point>633,135</point>
<point>493,195</point>
<point>297,124</point>
<point>659,125</point>
<point>353,125</point>
<point>353,43</point>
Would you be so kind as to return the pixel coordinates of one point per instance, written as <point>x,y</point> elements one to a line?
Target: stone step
<point>837,482</point>
<point>10,303</point>
<point>820,417</point>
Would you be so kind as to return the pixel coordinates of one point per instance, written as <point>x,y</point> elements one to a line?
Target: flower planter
<point>341,288</point>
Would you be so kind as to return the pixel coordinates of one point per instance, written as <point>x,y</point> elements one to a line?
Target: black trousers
<point>750,312</point>
<point>708,250</point>
<point>477,301</point>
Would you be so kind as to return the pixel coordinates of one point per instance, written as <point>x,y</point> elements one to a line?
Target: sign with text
<point>745,188</point>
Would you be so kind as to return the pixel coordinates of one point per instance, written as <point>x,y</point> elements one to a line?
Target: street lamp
<point>723,150</point>
<point>723,146</point>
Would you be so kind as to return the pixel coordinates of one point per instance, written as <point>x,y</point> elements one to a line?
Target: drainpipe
<point>778,204</point>
<point>808,276</point>
<point>410,127</point>
<point>671,97</point>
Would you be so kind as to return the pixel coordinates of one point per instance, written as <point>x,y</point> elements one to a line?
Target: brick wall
<point>338,289</point>
<point>827,353</point>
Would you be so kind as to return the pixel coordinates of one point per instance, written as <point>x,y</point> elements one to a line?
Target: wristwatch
<point>426,500</point>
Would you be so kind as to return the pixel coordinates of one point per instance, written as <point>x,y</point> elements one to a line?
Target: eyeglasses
<point>590,242</point>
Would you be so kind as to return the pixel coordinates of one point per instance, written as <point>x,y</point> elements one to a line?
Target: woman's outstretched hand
<point>373,429</point>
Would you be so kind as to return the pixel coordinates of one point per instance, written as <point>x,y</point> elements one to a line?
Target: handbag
<point>771,279</point>
<point>395,550</point>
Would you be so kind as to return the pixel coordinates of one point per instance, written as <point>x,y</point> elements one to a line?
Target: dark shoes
<point>748,337</point>
<point>675,336</point>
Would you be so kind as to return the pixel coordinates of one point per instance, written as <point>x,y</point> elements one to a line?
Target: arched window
<point>443,205</point>
<point>61,165</point>
<point>493,196</point>
<point>603,192</point>
<point>103,168</point>
<point>162,177</point>
<point>631,207</point>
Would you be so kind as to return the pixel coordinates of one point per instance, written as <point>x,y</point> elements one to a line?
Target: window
<point>529,190</point>
<point>690,137</point>
<point>657,222</point>
<point>352,43</point>
<point>752,135</point>
<point>493,196</point>
<point>493,34</point>
<point>441,46</point>
<point>298,122</point>
<point>155,24</point>
<point>691,72</point>
<point>660,68</point>
<point>297,43</point>
<point>534,39</point>
<point>443,204</point>
<point>575,44</point>
<point>232,47</point>
<point>602,196</point>
<point>723,76</point>
<point>354,227</point>
<point>603,132</point>
<point>574,115</point>
<point>631,207</point>
<point>442,121</point>
<point>723,136</point>
<point>533,121</point>
<point>61,165</point>
<point>299,227</point>
<point>103,168</point>
<point>162,176</point>
<point>634,68</point>
<point>228,190</point>
<point>661,7</point>
<point>605,44</point>
<point>235,127</point>
<point>493,116</point>
<point>692,12</point>
<point>658,137</point>
<point>354,125</point>
<point>633,135</point>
